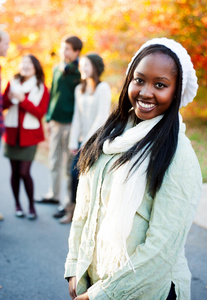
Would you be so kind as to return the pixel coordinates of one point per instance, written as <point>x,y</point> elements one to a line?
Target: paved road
<point>32,253</point>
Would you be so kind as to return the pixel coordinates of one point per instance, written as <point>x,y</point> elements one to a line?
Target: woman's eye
<point>138,80</point>
<point>160,85</point>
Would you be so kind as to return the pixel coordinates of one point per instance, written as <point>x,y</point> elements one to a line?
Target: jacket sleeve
<point>76,124</point>
<point>103,109</point>
<point>172,215</point>
<point>6,101</point>
<point>79,219</point>
<point>37,111</point>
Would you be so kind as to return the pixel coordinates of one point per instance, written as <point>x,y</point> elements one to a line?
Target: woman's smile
<point>145,106</point>
<point>152,88</point>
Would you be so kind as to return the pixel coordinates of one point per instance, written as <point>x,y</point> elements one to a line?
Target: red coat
<point>26,137</point>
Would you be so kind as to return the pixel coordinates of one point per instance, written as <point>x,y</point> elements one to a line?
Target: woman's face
<point>27,68</point>
<point>152,88</point>
<point>86,68</point>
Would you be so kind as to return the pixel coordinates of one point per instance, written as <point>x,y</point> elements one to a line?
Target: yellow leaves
<point>204,20</point>
<point>12,48</point>
<point>33,36</point>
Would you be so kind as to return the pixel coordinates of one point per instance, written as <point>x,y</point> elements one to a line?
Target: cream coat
<point>91,112</point>
<point>157,239</point>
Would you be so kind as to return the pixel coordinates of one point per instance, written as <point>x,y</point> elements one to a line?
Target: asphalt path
<point>33,253</point>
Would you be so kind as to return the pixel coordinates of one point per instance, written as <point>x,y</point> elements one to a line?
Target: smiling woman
<point>139,187</point>
<point>26,99</point>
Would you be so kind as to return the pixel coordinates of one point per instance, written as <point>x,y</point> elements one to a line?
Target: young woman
<point>139,187</point>
<point>26,98</point>
<point>92,107</point>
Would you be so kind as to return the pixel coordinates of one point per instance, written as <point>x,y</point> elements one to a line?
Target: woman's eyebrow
<point>157,78</point>
<point>161,78</point>
<point>138,73</point>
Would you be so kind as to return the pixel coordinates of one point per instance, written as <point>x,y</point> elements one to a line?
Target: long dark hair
<point>160,143</point>
<point>38,70</point>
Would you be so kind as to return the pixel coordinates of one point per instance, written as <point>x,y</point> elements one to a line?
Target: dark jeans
<point>172,295</point>
<point>74,175</point>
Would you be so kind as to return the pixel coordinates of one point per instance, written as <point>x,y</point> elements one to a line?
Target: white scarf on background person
<point>35,96</point>
<point>124,200</point>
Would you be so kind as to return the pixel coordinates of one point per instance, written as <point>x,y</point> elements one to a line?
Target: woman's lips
<point>145,106</point>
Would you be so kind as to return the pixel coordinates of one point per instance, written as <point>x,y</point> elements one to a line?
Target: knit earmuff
<point>189,79</point>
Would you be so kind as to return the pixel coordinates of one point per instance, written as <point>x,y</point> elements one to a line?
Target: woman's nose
<point>146,91</point>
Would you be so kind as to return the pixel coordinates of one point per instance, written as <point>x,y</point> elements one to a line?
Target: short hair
<point>75,42</point>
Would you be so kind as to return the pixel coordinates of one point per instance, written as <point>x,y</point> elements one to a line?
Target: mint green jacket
<point>157,239</point>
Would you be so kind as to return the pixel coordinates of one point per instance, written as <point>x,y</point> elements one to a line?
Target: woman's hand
<point>72,287</point>
<point>19,96</point>
<point>73,152</point>
<point>83,296</point>
<point>47,128</point>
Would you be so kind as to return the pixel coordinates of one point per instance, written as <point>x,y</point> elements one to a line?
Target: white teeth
<point>146,105</point>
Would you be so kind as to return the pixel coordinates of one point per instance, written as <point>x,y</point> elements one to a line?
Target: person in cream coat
<point>139,186</point>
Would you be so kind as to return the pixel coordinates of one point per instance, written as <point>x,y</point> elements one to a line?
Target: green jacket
<point>61,104</point>
<point>157,239</point>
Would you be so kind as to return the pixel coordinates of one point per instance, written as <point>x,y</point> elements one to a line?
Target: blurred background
<point>115,29</point>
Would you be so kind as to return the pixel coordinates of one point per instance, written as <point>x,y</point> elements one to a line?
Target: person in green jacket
<point>66,77</point>
<point>139,187</point>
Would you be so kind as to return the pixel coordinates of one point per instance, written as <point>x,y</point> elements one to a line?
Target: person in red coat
<point>26,99</point>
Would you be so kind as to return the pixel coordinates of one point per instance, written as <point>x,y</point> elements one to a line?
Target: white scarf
<point>124,200</point>
<point>35,96</point>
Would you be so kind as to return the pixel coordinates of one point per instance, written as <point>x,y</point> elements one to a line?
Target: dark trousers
<point>74,176</point>
<point>172,295</point>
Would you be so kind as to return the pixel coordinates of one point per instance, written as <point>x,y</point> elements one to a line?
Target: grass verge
<point>197,133</point>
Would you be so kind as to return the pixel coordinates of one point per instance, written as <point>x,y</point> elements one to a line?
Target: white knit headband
<point>189,82</point>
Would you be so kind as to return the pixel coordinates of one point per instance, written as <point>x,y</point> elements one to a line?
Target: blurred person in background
<point>66,77</point>
<point>92,108</point>
<point>4,46</point>
<point>26,98</point>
